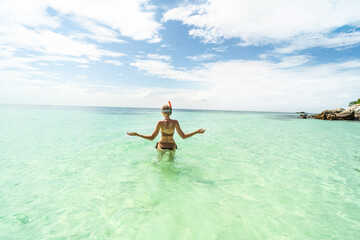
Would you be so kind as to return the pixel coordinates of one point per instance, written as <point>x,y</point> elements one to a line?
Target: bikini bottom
<point>166,145</point>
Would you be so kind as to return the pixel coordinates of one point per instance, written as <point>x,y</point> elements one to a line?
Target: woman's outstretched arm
<point>150,137</point>
<point>187,135</point>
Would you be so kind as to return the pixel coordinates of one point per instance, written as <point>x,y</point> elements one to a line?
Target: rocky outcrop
<point>355,107</point>
<point>325,115</point>
<point>345,115</point>
<point>357,116</point>
<point>338,110</point>
<point>351,113</point>
<point>303,115</point>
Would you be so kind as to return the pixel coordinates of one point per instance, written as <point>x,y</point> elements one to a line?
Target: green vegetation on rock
<point>354,102</point>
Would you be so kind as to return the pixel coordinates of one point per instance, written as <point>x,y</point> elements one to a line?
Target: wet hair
<point>166,107</point>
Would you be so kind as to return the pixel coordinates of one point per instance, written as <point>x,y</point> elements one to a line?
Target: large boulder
<point>355,107</point>
<point>326,115</point>
<point>345,115</point>
<point>338,110</point>
<point>357,116</point>
<point>304,116</point>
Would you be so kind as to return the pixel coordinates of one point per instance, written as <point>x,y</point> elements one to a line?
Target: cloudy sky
<point>220,54</point>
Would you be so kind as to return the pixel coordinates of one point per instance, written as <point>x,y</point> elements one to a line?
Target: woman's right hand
<point>132,133</point>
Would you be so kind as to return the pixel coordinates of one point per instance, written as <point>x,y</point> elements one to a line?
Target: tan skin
<point>168,126</point>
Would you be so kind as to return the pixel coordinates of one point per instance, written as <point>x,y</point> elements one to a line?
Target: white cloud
<point>27,13</point>
<point>344,95</point>
<point>266,22</point>
<point>164,70</point>
<point>155,39</point>
<point>131,18</point>
<point>234,85</point>
<point>16,77</point>
<point>202,57</point>
<point>50,43</point>
<point>156,56</point>
<point>339,40</point>
<point>208,35</point>
<point>114,62</point>
<point>99,33</point>
<point>83,66</point>
<point>57,93</point>
<point>262,85</point>
<point>6,51</point>
<point>29,26</point>
<point>55,43</point>
<point>112,53</point>
<point>292,61</point>
<point>134,19</point>
<point>220,48</point>
<point>57,59</point>
<point>16,63</point>
<point>81,77</point>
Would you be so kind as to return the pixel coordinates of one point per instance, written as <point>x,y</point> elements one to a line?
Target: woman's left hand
<point>131,133</point>
<point>201,130</point>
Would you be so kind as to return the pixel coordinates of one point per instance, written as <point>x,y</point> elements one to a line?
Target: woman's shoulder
<point>172,120</point>
<point>167,123</point>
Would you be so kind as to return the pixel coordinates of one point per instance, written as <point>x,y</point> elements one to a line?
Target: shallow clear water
<point>72,172</point>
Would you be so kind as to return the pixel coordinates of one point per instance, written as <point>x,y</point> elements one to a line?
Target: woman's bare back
<point>167,128</point>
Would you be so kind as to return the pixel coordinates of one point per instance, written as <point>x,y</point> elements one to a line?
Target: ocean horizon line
<point>152,108</point>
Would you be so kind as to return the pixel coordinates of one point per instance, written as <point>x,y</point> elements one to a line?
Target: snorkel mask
<point>168,110</point>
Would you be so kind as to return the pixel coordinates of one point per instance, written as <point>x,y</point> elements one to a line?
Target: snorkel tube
<point>170,107</point>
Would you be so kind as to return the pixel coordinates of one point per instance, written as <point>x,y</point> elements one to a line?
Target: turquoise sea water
<point>73,173</point>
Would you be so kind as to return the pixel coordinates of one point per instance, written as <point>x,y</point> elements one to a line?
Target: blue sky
<point>220,54</point>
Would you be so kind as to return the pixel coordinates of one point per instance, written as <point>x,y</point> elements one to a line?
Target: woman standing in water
<point>167,127</point>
